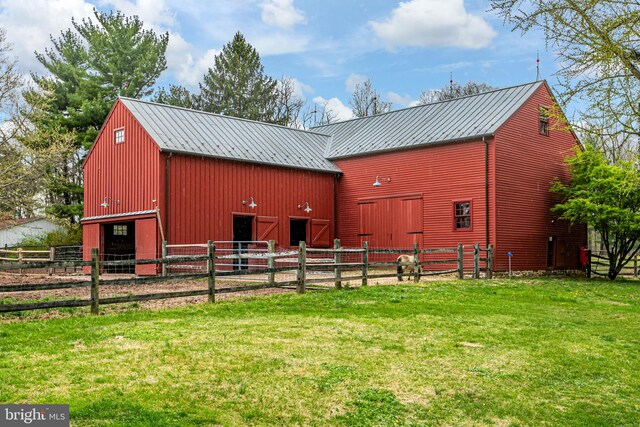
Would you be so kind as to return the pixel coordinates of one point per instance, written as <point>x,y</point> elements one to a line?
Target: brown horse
<point>405,265</point>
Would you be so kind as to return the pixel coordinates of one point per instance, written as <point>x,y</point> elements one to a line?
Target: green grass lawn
<point>505,352</point>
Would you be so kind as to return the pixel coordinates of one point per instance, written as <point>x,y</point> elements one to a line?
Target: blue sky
<point>327,46</point>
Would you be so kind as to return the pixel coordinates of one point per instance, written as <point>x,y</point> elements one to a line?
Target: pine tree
<point>237,85</point>
<point>90,65</point>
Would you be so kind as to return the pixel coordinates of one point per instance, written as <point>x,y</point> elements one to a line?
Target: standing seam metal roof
<point>178,129</point>
<point>457,119</point>
<point>195,132</point>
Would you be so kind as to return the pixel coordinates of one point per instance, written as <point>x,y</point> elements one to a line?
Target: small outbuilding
<point>14,231</point>
<point>472,169</point>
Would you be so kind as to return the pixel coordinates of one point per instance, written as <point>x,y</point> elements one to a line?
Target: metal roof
<point>458,119</point>
<point>181,130</point>
<point>118,215</point>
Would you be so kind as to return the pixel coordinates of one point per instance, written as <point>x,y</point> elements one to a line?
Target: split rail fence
<point>295,267</point>
<point>598,264</point>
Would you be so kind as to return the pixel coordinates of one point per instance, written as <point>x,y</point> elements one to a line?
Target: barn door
<point>320,233</point>
<point>146,244</point>
<point>267,228</point>
<point>90,239</point>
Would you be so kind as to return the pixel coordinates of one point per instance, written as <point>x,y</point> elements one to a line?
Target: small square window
<point>544,121</point>
<point>119,230</point>
<point>119,136</point>
<point>462,215</point>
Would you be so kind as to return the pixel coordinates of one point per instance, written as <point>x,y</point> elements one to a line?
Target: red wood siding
<point>526,164</point>
<point>206,192</point>
<point>128,172</point>
<point>427,180</point>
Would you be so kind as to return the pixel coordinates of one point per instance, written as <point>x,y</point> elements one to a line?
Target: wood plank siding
<point>526,164</point>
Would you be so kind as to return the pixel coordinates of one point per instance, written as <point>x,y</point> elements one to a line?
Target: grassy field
<point>506,352</point>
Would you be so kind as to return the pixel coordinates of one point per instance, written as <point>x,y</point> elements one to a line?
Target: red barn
<point>472,169</point>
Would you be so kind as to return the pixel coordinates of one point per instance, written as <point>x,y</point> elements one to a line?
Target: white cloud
<point>402,100</point>
<point>154,13</point>
<point>338,109</point>
<point>433,23</point>
<point>353,80</point>
<point>30,23</point>
<point>278,44</point>
<point>281,13</point>
<point>187,70</point>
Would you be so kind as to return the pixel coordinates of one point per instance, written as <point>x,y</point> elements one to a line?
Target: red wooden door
<point>320,233</point>
<point>267,228</point>
<point>90,240</point>
<point>146,245</point>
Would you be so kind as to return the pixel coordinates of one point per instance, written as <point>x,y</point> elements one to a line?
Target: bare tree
<point>365,101</point>
<point>597,46</point>
<point>319,115</point>
<point>452,91</point>
<point>18,177</point>
<point>288,104</point>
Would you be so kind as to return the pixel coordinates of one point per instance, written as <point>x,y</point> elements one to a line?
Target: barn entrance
<point>120,244</point>
<point>297,231</point>
<point>242,236</point>
<point>391,222</point>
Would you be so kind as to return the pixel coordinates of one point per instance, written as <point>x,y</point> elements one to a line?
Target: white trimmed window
<point>119,135</point>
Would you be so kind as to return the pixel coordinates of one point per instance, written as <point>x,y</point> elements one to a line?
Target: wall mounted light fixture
<point>252,204</point>
<point>105,203</point>
<point>307,209</point>
<point>378,183</point>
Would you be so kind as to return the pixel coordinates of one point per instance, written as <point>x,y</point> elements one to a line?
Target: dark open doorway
<point>120,244</point>
<point>242,235</point>
<point>297,231</point>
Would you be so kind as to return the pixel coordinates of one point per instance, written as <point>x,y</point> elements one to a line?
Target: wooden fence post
<point>95,279</point>
<point>211,270</point>
<point>588,263</point>
<point>165,253</point>
<point>20,258</point>
<point>271,261</point>
<point>365,263</point>
<point>52,257</point>
<point>490,262</point>
<point>337,259</point>
<point>302,267</point>
<point>416,264</point>
<point>635,266</point>
<point>476,261</point>
<point>460,261</point>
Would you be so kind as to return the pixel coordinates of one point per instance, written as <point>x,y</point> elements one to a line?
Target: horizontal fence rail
<point>598,264</point>
<point>264,262</point>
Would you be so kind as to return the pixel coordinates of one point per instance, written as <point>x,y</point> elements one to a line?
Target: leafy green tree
<point>605,196</point>
<point>597,48</point>
<point>237,84</point>
<point>90,65</point>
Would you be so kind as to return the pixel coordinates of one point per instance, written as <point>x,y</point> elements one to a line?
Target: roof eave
<point>414,146</point>
<point>232,159</point>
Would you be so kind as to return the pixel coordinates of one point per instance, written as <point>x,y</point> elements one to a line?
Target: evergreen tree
<point>237,85</point>
<point>178,96</point>
<point>90,65</point>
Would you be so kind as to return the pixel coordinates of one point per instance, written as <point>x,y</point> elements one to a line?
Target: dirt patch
<point>113,290</point>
